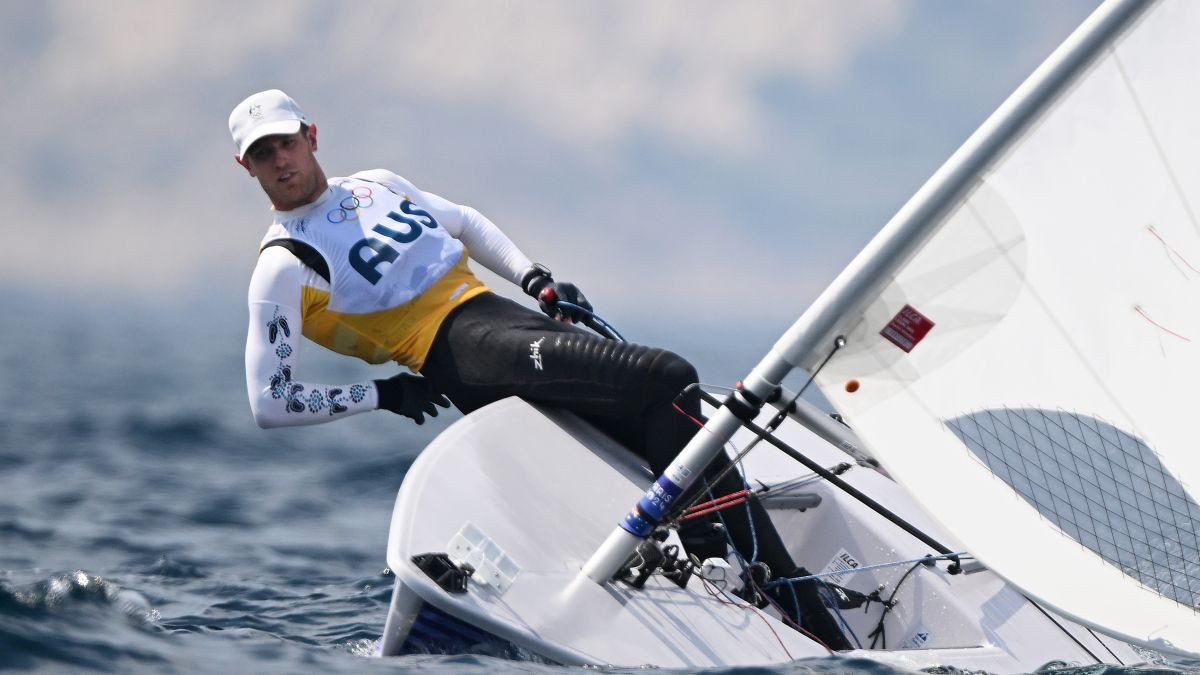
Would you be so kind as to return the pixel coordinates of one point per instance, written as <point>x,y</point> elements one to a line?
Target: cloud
<point>113,116</point>
<point>592,72</point>
<point>586,72</point>
<point>765,139</point>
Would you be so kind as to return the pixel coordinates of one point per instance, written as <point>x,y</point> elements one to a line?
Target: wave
<point>68,619</point>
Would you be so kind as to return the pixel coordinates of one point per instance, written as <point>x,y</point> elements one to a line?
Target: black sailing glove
<point>537,282</point>
<point>410,396</point>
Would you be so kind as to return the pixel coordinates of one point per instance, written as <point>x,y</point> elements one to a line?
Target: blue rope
<point>729,537</point>
<point>837,611</point>
<point>750,520</point>
<point>792,581</point>
<point>928,558</point>
<point>796,602</point>
<point>600,325</point>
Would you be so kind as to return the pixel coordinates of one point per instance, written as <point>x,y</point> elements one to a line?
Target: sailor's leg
<point>669,426</point>
<point>749,527</point>
<point>490,348</point>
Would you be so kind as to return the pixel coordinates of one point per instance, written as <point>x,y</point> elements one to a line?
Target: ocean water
<point>147,525</point>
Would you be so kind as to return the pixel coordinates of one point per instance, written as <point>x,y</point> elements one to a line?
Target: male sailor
<point>371,266</point>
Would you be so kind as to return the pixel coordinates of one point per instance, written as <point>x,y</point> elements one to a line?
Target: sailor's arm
<point>490,247</point>
<point>277,396</point>
<point>485,243</point>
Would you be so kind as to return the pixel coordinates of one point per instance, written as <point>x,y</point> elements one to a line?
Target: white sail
<point>1030,370</point>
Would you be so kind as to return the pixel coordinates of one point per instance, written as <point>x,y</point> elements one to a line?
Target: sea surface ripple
<point>147,525</point>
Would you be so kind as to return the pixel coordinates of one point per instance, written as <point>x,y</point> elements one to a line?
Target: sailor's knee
<point>671,373</point>
<point>678,370</point>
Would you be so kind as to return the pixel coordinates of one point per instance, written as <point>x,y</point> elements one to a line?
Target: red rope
<point>687,414</point>
<point>1161,327</point>
<point>718,500</point>
<point>1169,248</point>
<point>720,598</point>
<point>714,505</point>
<point>711,510</point>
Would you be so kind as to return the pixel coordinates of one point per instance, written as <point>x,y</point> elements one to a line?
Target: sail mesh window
<point>1104,488</point>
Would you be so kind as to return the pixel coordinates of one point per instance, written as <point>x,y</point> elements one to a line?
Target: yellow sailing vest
<point>394,273</point>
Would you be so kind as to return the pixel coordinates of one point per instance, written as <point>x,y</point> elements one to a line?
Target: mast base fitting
<point>744,404</point>
<point>650,557</point>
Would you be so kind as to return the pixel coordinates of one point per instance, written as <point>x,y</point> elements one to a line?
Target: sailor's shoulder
<point>390,179</point>
<point>285,228</point>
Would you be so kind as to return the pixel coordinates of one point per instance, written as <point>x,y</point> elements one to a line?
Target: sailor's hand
<point>410,396</point>
<point>538,283</point>
<point>559,292</point>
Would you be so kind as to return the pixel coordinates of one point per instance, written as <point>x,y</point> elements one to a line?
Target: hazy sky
<point>686,162</point>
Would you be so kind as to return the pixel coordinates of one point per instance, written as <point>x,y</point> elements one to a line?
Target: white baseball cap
<point>266,113</point>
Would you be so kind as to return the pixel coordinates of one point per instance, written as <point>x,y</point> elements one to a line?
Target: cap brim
<point>269,129</point>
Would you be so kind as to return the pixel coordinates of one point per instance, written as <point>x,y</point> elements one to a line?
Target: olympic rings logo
<point>360,198</point>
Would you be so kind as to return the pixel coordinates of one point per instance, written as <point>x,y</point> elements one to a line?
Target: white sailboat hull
<point>527,494</point>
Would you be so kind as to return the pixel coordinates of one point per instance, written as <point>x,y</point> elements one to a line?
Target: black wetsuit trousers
<point>491,347</point>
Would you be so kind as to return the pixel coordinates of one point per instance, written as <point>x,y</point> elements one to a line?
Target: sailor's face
<point>286,168</point>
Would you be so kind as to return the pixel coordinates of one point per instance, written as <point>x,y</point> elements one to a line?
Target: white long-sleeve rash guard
<point>277,396</point>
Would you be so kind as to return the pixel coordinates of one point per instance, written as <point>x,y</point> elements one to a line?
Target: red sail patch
<point>907,328</point>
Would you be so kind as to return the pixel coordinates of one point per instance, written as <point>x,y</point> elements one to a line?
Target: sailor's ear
<point>311,134</point>
<point>243,163</point>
